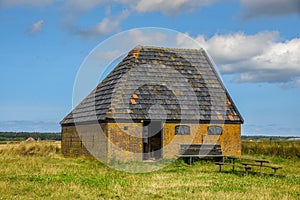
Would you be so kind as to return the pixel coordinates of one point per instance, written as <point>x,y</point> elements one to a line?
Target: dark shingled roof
<point>159,83</point>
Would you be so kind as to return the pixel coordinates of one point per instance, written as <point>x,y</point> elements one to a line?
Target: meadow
<point>37,170</point>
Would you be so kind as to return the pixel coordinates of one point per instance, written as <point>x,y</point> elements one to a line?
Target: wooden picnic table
<point>232,162</point>
<point>260,161</point>
<point>261,164</point>
<point>247,165</point>
<point>233,158</point>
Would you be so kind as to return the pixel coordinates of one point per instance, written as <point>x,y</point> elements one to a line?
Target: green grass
<point>45,174</point>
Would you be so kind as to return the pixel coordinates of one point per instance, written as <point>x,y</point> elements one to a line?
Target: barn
<point>155,103</point>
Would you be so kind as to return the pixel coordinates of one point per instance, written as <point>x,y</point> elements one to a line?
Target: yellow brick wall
<point>125,145</point>
<point>92,140</point>
<point>171,142</point>
<point>230,140</point>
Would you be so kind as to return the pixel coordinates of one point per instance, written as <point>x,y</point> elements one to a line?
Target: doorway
<point>152,140</point>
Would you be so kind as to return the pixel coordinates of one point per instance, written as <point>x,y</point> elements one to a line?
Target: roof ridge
<point>139,47</point>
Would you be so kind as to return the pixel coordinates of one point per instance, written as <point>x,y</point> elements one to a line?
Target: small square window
<point>125,128</point>
<point>182,130</point>
<point>214,130</point>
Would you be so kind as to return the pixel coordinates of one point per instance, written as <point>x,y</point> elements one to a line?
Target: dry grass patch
<point>37,148</point>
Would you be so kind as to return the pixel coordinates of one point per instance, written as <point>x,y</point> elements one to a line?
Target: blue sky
<point>255,45</point>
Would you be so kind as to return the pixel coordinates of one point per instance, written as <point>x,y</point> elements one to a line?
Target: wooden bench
<point>200,149</point>
<point>190,157</point>
<point>203,151</point>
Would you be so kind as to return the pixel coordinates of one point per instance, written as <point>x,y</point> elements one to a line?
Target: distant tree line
<point>266,138</point>
<point>21,136</point>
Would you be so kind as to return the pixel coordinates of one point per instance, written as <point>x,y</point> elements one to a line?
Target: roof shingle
<point>159,83</point>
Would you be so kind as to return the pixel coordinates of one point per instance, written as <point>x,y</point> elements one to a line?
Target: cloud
<point>35,3</point>
<point>140,37</point>
<point>119,46</point>
<point>258,8</point>
<point>36,27</point>
<point>75,7</point>
<point>278,63</point>
<point>234,47</point>
<point>296,83</point>
<point>253,58</point>
<point>105,26</point>
<point>170,7</point>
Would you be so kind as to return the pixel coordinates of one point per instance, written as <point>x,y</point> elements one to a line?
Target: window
<point>125,128</point>
<point>182,130</point>
<point>214,130</point>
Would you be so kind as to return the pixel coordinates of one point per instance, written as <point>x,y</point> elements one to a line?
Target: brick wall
<point>122,141</point>
<point>125,141</point>
<point>230,140</point>
<point>88,140</point>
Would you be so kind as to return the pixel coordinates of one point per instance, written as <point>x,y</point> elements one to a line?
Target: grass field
<point>283,149</point>
<point>38,171</point>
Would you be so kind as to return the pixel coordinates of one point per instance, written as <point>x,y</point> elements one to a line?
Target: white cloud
<point>278,63</point>
<point>254,58</point>
<point>170,7</point>
<point>107,25</point>
<point>232,47</point>
<point>11,3</point>
<point>139,37</point>
<point>75,7</point>
<point>72,9</point>
<point>36,27</point>
<point>238,47</point>
<point>258,8</point>
<point>120,45</point>
<point>185,41</point>
<point>297,83</point>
